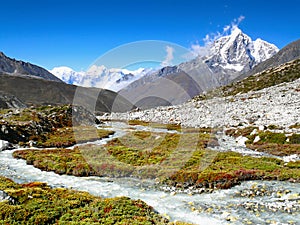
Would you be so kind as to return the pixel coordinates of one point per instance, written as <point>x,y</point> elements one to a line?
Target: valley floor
<point>176,159</point>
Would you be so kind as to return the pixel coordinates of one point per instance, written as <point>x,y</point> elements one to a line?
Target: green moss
<point>295,139</point>
<point>279,144</point>
<point>270,137</point>
<point>68,136</point>
<point>173,158</point>
<point>141,148</point>
<point>155,125</point>
<point>228,168</point>
<point>37,203</point>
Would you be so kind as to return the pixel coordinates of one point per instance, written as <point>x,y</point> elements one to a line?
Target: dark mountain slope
<point>17,67</point>
<point>32,91</point>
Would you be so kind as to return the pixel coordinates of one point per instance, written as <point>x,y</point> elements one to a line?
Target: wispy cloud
<point>169,57</point>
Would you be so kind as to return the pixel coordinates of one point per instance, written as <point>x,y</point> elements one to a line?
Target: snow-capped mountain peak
<point>237,52</point>
<point>68,75</point>
<point>99,76</point>
<point>263,50</point>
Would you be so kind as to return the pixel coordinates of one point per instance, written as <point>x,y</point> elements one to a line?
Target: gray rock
<point>5,145</point>
<point>5,197</point>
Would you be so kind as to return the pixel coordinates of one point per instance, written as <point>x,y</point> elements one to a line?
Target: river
<point>252,202</point>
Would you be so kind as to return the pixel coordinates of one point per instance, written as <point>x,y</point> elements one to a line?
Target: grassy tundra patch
<point>37,203</point>
<point>172,158</point>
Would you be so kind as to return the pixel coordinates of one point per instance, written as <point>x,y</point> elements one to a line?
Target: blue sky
<point>74,33</point>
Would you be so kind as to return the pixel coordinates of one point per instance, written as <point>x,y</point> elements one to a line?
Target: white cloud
<point>199,50</point>
<point>240,19</point>
<point>226,28</point>
<point>169,57</point>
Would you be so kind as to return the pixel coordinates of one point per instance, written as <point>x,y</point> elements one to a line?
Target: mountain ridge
<point>15,67</point>
<point>288,53</point>
<point>229,56</point>
<point>27,91</point>
<point>99,76</point>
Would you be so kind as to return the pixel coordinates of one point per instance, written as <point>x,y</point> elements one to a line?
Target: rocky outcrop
<point>287,54</point>
<point>41,121</point>
<point>10,101</point>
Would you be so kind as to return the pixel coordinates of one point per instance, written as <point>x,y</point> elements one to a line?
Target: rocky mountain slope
<point>287,72</point>
<point>274,104</point>
<point>237,52</point>
<point>10,101</point>
<point>15,67</point>
<point>228,57</point>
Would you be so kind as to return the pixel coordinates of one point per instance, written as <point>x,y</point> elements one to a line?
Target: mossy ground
<point>172,158</point>
<point>155,125</point>
<point>68,136</point>
<point>37,203</point>
<point>275,143</point>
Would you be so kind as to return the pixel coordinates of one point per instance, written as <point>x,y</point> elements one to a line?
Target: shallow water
<point>238,205</point>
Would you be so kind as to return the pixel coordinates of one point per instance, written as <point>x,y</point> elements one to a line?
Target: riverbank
<point>37,203</point>
<point>185,161</point>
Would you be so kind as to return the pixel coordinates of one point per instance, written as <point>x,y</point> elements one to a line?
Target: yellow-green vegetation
<point>229,168</point>
<point>279,144</point>
<point>174,159</point>
<point>141,148</point>
<point>272,77</point>
<point>61,161</point>
<point>155,125</point>
<point>37,203</point>
<point>125,156</point>
<point>68,136</point>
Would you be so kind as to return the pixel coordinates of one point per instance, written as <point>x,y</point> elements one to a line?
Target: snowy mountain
<point>237,52</point>
<point>99,76</point>
<point>226,59</point>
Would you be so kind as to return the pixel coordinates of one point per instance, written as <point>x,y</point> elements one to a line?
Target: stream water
<point>253,202</point>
